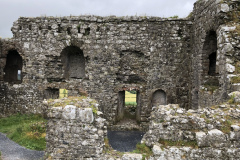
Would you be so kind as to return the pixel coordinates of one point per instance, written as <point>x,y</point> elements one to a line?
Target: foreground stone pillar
<point>74,131</point>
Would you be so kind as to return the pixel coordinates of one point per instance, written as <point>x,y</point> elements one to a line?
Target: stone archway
<point>74,62</point>
<point>13,68</point>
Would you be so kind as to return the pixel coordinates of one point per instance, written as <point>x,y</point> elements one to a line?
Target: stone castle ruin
<point>190,62</point>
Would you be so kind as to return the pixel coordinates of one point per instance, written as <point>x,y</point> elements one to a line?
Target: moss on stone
<point>235,79</point>
<point>179,143</point>
<point>142,148</point>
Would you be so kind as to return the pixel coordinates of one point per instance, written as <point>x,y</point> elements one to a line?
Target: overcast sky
<point>11,10</point>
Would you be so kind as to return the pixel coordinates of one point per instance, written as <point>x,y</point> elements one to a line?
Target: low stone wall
<point>76,130</point>
<point>209,133</point>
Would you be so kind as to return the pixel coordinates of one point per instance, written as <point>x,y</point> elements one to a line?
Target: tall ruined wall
<point>120,53</point>
<point>18,98</point>
<point>211,36</point>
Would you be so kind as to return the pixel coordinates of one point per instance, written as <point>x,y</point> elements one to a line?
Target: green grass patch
<point>235,79</point>
<point>143,149</point>
<point>226,126</point>
<point>27,130</point>
<point>130,104</point>
<point>231,100</point>
<point>166,143</point>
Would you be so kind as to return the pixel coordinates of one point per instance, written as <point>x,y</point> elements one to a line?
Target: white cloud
<point>11,10</point>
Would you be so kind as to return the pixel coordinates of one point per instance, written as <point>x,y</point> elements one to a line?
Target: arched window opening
<point>212,64</point>
<point>159,98</point>
<point>209,55</point>
<point>73,62</point>
<point>13,68</point>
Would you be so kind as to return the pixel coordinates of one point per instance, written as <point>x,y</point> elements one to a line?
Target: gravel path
<point>12,151</point>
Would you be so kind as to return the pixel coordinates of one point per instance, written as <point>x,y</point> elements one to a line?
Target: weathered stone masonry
<point>106,55</point>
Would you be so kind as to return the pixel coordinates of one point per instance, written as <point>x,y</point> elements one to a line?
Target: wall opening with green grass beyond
<point>128,105</point>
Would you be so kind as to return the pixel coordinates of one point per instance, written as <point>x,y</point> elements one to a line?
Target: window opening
<point>13,68</point>
<point>159,98</point>
<point>73,62</point>
<point>212,64</point>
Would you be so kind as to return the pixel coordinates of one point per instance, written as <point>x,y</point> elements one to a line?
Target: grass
<point>166,143</point>
<point>226,126</point>
<point>130,98</point>
<point>212,84</point>
<point>231,100</point>
<point>235,79</point>
<point>27,130</point>
<point>143,149</point>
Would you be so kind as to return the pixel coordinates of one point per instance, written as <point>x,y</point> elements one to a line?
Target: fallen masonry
<point>77,130</point>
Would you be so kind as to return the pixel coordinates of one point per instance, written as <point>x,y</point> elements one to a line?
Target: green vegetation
<point>130,103</point>
<point>175,16</point>
<point>143,149</point>
<point>66,101</point>
<point>166,143</point>
<point>130,98</point>
<point>237,67</point>
<point>190,15</point>
<point>94,109</point>
<point>212,84</point>
<point>76,101</point>
<point>0,155</point>
<point>226,126</point>
<point>231,100</point>
<point>27,130</point>
<point>235,79</point>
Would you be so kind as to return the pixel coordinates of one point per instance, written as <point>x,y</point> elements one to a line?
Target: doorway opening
<point>128,106</point>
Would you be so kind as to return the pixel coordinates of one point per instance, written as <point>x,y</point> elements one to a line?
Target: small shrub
<point>226,126</point>
<point>231,100</point>
<point>94,109</point>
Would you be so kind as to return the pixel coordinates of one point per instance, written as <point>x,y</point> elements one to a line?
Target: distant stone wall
<point>74,131</point>
<point>214,132</point>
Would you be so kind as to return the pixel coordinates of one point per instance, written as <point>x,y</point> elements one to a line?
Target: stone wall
<point>183,61</point>
<point>210,133</point>
<point>74,131</point>
<point>120,53</point>
<point>211,34</point>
